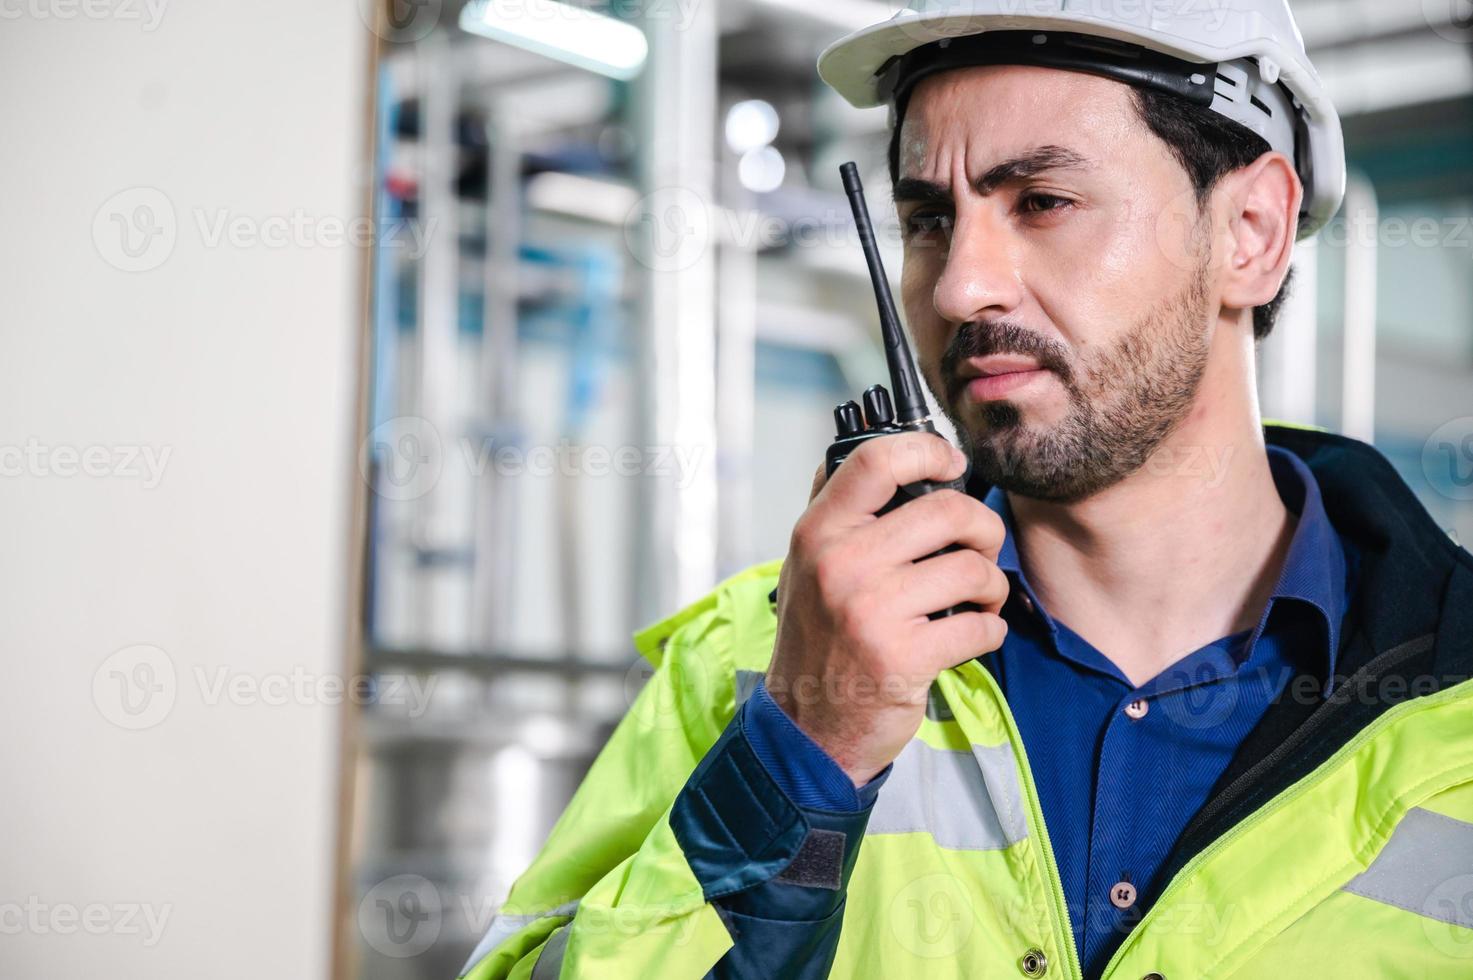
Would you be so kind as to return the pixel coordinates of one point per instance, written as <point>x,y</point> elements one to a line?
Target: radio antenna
<point>910,404</point>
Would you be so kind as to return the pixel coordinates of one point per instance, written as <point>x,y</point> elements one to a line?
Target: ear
<point>1263,201</point>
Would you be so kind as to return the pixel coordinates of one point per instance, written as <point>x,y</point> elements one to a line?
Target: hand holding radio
<point>891,575</point>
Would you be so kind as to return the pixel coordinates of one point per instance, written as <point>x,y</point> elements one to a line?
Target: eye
<point>1043,203</point>
<point>928,223</point>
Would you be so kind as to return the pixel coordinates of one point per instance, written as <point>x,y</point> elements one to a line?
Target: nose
<point>982,277</point>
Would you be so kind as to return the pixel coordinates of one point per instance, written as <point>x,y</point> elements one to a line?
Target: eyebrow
<point>1036,161</point>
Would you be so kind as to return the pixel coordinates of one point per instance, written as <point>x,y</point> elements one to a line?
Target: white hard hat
<point>1243,59</point>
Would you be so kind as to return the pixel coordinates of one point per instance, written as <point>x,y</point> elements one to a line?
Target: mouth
<point>997,375</point>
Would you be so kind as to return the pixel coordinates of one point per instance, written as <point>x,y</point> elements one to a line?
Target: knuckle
<point>1000,582</point>
<point>805,534</point>
<point>952,505</point>
<point>979,569</point>
<point>989,523</point>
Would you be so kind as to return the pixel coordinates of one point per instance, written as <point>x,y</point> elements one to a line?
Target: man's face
<point>1045,226</point>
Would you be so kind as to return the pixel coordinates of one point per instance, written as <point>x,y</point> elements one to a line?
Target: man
<point>1212,719</point>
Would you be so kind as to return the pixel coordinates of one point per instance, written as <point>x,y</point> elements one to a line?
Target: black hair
<point>1207,145</point>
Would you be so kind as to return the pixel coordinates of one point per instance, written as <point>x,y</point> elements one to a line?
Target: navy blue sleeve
<point>775,870</point>
<point>801,768</point>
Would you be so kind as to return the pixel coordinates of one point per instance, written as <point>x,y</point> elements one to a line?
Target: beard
<point>1122,404</point>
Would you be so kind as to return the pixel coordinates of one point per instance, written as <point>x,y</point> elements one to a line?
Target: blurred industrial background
<point>578,367</point>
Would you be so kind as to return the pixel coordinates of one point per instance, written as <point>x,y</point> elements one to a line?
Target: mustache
<point>974,339</point>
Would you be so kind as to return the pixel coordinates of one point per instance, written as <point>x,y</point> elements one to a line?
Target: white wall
<point>239,362</point>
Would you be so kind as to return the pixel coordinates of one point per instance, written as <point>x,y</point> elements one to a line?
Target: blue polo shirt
<point>1120,769</point>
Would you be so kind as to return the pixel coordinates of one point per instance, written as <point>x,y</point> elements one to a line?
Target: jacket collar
<point>1407,634</point>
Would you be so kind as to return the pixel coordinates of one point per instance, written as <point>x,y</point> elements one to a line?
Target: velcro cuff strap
<point>820,861</point>
<point>734,825</point>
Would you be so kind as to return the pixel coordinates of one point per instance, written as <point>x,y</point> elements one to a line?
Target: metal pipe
<point>1358,390</point>
<point>671,236</point>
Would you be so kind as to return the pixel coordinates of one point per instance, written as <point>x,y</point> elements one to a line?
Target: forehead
<point>986,112</point>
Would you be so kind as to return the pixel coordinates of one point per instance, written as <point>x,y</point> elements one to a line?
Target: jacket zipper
<point>1288,796</point>
<point>1035,810</point>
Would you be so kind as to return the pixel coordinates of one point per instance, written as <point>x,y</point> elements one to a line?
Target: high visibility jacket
<point>1339,843</point>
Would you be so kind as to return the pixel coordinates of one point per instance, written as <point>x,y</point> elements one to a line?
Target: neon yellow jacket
<point>1339,844</point>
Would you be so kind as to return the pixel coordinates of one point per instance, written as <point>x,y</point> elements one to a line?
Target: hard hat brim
<point>855,66</point>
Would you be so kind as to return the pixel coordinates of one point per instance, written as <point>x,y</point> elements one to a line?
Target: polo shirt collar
<point>1314,570</point>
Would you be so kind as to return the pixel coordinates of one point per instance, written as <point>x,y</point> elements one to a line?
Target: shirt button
<point>1027,603</point>
<point>1122,894</point>
<point>1137,708</point>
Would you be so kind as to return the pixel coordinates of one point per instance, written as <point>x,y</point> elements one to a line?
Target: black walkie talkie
<point>879,416</point>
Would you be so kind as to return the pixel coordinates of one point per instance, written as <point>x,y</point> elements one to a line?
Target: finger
<point>949,580</point>
<point>956,639</point>
<point>929,523</point>
<point>820,477</point>
<point>868,479</point>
